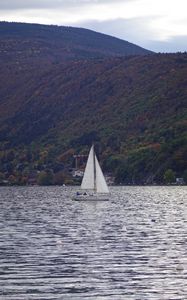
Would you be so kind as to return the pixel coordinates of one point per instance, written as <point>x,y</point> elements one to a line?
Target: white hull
<point>91,198</point>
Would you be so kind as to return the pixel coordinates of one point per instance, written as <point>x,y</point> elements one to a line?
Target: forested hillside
<point>134,108</point>
<point>33,42</point>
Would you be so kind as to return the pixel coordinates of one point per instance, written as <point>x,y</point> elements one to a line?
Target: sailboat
<point>93,184</point>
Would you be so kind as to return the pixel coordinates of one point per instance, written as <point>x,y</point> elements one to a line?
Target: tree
<point>169,176</point>
<point>45,178</point>
<point>185,176</point>
<point>59,178</point>
<point>2,177</point>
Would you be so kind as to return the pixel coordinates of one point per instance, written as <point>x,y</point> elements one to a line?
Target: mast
<point>95,187</point>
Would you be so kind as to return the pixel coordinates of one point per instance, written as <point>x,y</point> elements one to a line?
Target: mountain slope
<point>62,88</point>
<point>134,108</point>
<point>28,42</point>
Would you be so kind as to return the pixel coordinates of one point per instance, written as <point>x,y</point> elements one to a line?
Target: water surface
<point>133,247</point>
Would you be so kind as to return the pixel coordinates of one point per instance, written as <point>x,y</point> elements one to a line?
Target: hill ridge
<point>62,42</point>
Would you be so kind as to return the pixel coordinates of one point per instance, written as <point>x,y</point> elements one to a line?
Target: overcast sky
<point>158,25</point>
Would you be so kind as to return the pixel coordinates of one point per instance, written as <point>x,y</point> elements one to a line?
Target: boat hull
<point>91,198</point>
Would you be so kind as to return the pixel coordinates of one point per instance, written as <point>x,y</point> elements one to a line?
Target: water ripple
<point>133,247</point>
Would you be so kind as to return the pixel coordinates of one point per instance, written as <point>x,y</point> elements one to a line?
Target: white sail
<point>101,186</point>
<point>94,180</point>
<point>88,181</point>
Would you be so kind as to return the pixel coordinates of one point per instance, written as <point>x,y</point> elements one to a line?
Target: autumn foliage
<point>51,107</point>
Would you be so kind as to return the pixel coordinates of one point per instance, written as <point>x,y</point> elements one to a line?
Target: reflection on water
<point>133,247</point>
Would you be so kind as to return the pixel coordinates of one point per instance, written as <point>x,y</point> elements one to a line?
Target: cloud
<point>140,32</point>
<point>174,44</point>
<point>45,4</point>
<point>63,12</point>
<point>155,25</point>
<point>32,4</point>
<point>135,30</point>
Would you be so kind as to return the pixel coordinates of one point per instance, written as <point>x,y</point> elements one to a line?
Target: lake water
<point>133,247</point>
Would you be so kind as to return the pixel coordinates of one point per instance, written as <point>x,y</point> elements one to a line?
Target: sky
<point>158,25</point>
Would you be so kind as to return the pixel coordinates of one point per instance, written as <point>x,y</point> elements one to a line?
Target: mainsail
<point>93,176</point>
